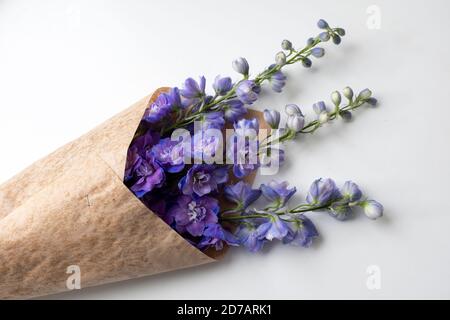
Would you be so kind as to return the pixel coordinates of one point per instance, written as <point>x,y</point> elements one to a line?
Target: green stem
<point>259,216</point>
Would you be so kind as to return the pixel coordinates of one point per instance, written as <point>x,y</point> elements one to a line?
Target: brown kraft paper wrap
<point>72,208</point>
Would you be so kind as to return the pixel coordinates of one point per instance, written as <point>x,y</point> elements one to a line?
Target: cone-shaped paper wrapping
<point>72,209</point>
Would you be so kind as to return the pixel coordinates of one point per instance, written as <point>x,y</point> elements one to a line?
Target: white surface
<point>66,66</point>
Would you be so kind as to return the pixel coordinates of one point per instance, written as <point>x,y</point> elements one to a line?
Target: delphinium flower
<point>148,175</point>
<point>243,146</point>
<point>233,110</point>
<point>205,145</point>
<point>217,237</point>
<point>202,179</point>
<point>222,85</point>
<point>290,225</point>
<point>193,91</point>
<point>186,195</point>
<point>301,232</point>
<point>248,91</point>
<point>142,172</point>
<point>214,119</point>
<point>241,194</point>
<point>278,193</point>
<point>169,154</point>
<point>323,191</point>
<point>194,214</point>
<point>254,226</point>
<point>164,104</point>
<point>278,78</point>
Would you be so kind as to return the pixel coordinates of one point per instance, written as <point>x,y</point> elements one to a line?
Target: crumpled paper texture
<point>72,208</point>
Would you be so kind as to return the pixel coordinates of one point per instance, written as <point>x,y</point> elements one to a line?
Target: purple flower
<point>248,91</point>
<point>145,142</point>
<point>215,236</point>
<point>148,176</point>
<point>244,157</point>
<point>202,179</point>
<point>241,194</point>
<point>277,229</point>
<point>278,81</point>
<point>222,85</point>
<point>134,160</point>
<point>247,128</point>
<point>243,147</point>
<point>169,155</point>
<point>233,110</point>
<point>138,150</point>
<point>162,106</point>
<point>351,191</point>
<point>322,192</point>
<point>252,237</point>
<point>206,143</point>
<point>192,215</point>
<point>213,120</point>
<point>193,89</point>
<point>301,232</point>
<point>278,192</point>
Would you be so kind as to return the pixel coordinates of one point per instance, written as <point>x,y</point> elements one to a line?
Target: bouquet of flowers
<point>167,184</point>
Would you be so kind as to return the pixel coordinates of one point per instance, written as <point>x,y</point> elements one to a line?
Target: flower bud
<point>324,36</point>
<point>318,52</point>
<point>346,115</point>
<point>336,98</point>
<point>372,101</point>
<point>310,41</point>
<point>286,45</point>
<point>372,209</point>
<point>222,85</point>
<point>340,31</point>
<point>336,39</point>
<point>292,110</point>
<point>280,58</point>
<point>348,93</point>
<point>365,94</point>
<point>319,107</point>
<point>324,117</point>
<point>307,63</point>
<point>272,117</point>
<point>295,122</point>
<point>322,24</point>
<point>241,66</point>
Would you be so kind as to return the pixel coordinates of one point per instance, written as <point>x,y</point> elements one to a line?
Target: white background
<point>66,66</point>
